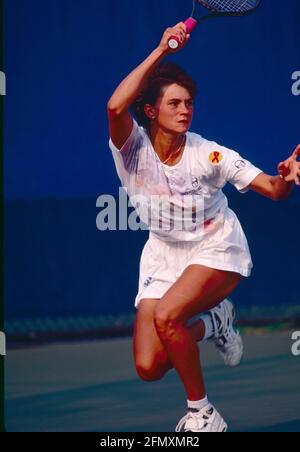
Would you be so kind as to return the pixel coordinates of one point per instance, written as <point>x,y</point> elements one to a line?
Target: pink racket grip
<point>191,24</point>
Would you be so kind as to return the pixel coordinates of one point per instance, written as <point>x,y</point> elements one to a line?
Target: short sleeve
<point>238,171</point>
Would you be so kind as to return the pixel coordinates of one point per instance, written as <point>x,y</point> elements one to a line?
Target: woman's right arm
<point>120,119</point>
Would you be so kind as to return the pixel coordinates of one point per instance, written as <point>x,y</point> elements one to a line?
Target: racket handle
<point>191,24</point>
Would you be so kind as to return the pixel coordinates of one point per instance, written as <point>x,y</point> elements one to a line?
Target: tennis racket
<point>216,8</point>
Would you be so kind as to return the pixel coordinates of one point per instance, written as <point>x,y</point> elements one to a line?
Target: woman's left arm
<point>279,187</point>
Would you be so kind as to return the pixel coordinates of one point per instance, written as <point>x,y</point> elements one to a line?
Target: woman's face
<point>174,109</point>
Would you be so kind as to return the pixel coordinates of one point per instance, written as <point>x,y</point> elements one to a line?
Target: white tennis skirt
<point>223,247</point>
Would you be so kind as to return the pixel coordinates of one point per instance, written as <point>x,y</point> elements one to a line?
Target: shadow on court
<point>92,386</point>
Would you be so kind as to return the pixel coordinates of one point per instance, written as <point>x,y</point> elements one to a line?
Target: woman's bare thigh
<point>197,290</point>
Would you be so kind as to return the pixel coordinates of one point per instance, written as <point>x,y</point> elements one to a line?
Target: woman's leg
<point>198,289</point>
<point>150,356</point>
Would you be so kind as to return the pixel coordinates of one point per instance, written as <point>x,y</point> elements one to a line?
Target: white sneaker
<point>228,341</point>
<point>207,420</point>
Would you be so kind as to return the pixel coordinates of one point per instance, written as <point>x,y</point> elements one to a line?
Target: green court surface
<point>93,387</point>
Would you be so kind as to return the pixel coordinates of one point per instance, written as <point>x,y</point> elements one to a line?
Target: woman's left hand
<point>289,170</point>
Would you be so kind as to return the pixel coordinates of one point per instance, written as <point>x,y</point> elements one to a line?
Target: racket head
<point>216,8</point>
<point>230,7</point>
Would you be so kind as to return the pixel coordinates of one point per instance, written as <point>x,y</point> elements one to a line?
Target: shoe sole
<point>237,363</point>
<point>223,428</point>
<point>232,314</point>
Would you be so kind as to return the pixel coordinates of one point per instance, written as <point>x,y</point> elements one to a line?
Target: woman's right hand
<point>180,32</point>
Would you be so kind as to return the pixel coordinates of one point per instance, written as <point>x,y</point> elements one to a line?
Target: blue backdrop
<point>63,59</point>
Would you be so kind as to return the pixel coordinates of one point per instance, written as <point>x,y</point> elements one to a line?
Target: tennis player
<point>187,275</point>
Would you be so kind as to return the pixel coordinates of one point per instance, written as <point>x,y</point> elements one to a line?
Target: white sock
<point>209,327</point>
<point>198,404</point>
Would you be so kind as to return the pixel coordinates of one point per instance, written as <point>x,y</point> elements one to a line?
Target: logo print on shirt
<point>240,164</point>
<point>148,282</point>
<point>195,182</point>
<point>215,158</point>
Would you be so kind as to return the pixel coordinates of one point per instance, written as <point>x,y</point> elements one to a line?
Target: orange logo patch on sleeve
<point>215,158</point>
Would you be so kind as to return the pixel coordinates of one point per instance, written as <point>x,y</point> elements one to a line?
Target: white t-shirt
<point>195,182</point>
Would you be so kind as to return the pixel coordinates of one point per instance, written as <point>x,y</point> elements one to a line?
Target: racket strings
<point>230,6</point>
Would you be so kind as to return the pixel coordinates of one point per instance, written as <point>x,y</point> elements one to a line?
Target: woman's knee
<point>165,320</point>
<point>150,372</point>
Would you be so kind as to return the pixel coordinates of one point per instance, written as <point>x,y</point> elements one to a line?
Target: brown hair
<point>164,75</point>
